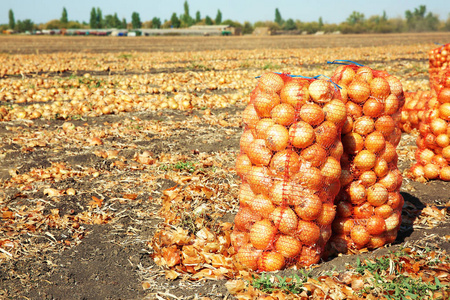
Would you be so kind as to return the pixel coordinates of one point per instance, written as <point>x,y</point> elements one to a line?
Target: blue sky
<point>331,11</point>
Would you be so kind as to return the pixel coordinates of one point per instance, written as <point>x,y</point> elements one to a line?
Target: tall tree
<point>93,18</point>
<point>320,22</point>
<point>25,25</point>
<point>355,17</point>
<point>135,20</point>
<point>64,18</point>
<point>186,19</point>
<point>198,17</point>
<point>175,21</point>
<point>156,22</point>
<point>208,20</point>
<point>124,24</point>
<point>12,21</point>
<point>99,18</point>
<point>278,18</point>
<point>218,19</point>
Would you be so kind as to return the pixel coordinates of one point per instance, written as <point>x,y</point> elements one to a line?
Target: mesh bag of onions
<point>290,168</point>
<point>433,143</point>
<point>368,207</point>
<point>439,66</point>
<point>413,112</point>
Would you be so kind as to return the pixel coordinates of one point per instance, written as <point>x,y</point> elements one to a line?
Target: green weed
<point>268,283</point>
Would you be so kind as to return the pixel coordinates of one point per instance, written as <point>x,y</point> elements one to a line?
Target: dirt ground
<point>78,216</point>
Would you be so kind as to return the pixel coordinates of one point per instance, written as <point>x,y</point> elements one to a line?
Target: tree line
<point>417,20</point>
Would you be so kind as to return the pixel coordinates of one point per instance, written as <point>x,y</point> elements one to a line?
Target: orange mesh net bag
<point>433,143</point>
<point>439,67</point>
<point>413,112</point>
<point>290,168</point>
<point>368,207</point>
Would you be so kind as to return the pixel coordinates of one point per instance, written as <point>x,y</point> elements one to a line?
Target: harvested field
<point>117,175</point>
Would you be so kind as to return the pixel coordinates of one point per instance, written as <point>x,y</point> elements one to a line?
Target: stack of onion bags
<point>433,144</point>
<point>413,112</point>
<point>439,66</point>
<point>290,168</point>
<point>368,207</point>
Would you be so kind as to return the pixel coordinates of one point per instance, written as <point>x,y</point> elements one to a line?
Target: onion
<point>395,85</point>
<point>335,111</point>
<point>262,205</point>
<point>295,93</point>
<point>262,234</point>
<point>261,127</point>
<point>248,256</point>
<point>343,225</point>
<point>331,169</point>
<point>376,241</point>
<point>425,156</point>
<point>439,161</point>
<point>359,91</point>
<point>250,116</point>
<point>444,95</point>
<point>348,125</point>
<point>357,193</point>
<point>243,165</point>
<point>373,108</point>
<point>259,180</point>
<point>239,239</point>
<point>312,114</point>
<point>438,126</point>
<point>444,174</point>
<point>395,200</point>
<point>321,91</point>
<point>376,225</point>
<point>308,207</point>
<point>336,150</point>
<point>327,214</point>
<point>364,73</point>
<point>258,153</point>
<point>431,171</point>
<point>383,211</point>
<point>301,134</point>
<point>417,171</point>
<point>364,125</point>
<point>246,139</point>
<point>307,232</point>
<point>446,153</point>
<point>393,221</point>
<point>270,82</point>
<point>389,154</point>
<point>395,136</point>
<point>353,143</point>
<point>363,211</point>
<point>385,125</point>
<point>375,142</point>
<point>391,105</point>
<point>284,219</point>
<point>314,154</point>
<point>277,137</point>
<point>326,134</point>
<point>344,209</point>
<point>368,178</point>
<point>245,194</point>
<point>377,194</point>
<point>353,110</point>
<point>360,235</point>
<point>365,160</point>
<point>288,246</point>
<point>347,75</point>
<point>245,218</point>
<point>444,111</point>
<point>270,261</point>
<point>279,192</point>
<point>443,140</point>
<point>392,181</point>
<point>285,162</point>
<point>309,177</point>
<point>283,114</point>
<point>265,102</point>
<point>346,177</point>
<point>379,88</point>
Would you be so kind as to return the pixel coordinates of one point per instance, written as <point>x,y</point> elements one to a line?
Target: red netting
<point>290,169</point>
<point>433,143</point>
<point>368,213</point>
<point>439,67</point>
